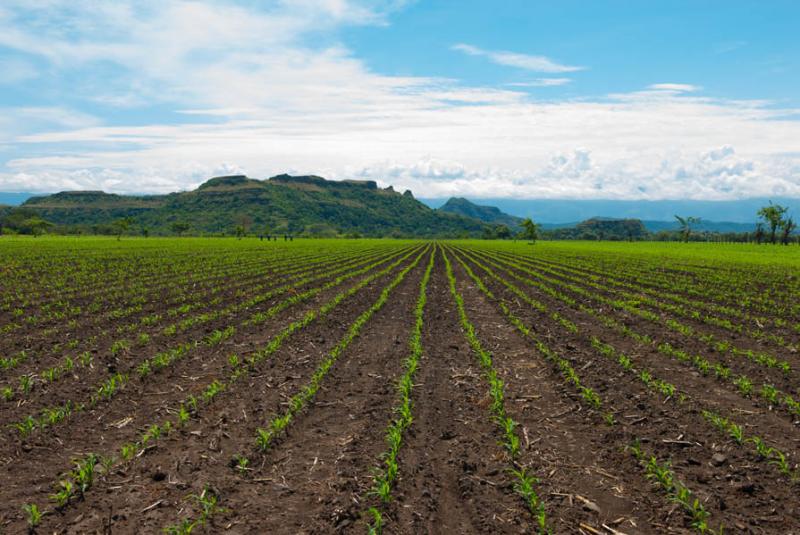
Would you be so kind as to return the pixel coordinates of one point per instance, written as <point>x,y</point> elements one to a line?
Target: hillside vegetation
<point>487,214</point>
<point>283,204</point>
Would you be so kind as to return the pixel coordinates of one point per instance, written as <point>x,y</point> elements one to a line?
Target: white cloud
<point>635,147</point>
<point>675,88</point>
<point>16,122</point>
<point>265,91</point>
<point>542,82</point>
<point>716,174</point>
<point>513,59</point>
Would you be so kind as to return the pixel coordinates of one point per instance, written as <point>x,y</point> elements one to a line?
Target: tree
<point>772,214</point>
<point>239,231</point>
<point>121,226</point>
<point>759,233</point>
<point>787,226</point>
<point>502,232</point>
<point>686,226</point>
<point>179,227</point>
<point>36,226</point>
<point>530,230</point>
<point>244,221</point>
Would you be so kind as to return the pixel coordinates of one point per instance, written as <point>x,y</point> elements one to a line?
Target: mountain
<point>487,214</point>
<point>283,204</point>
<point>703,225</point>
<point>570,211</point>
<point>602,228</point>
<point>659,226</point>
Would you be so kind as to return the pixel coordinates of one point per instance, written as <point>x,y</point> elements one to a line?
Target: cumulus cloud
<point>714,174</point>
<point>271,90</point>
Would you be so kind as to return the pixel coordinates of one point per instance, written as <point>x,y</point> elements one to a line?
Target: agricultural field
<point>366,386</point>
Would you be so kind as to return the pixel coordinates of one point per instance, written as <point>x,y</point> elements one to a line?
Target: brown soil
<point>453,473</point>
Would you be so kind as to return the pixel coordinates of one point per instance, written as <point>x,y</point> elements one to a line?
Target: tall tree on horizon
<point>530,230</point>
<point>787,226</point>
<point>772,214</point>
<point>121,226</point>
<point>686,226</point>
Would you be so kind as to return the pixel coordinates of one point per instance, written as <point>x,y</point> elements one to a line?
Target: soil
<point>454,476</point>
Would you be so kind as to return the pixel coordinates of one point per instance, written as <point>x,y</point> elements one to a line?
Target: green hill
<point>602,228</point>
<point>283,204</point>
<point>487,214</point>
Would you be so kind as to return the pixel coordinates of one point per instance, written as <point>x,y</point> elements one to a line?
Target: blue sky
<point>518,99</point>
<point>733,49</point>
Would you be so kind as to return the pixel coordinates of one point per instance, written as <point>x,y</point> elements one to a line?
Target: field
<point>359,386</point>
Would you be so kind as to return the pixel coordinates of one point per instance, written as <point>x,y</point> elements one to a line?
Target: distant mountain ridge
<point>602,228</point>
<point>281,204</point>
<point>313,205</point>
<point>659,226</point>
<point>487,214</point>
<point>720,216</point>
<point>560,212</point>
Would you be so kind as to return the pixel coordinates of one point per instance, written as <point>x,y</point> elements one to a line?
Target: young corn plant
<point>736,432</point>
<point>25,384</point>
<point>241,463</point>
<point>376,526</point>
<point>26,426</point>
<point>524,484</point>
<point>185,527</point>
<point>65,491</point>
<point>83,474</point>
<point>661,474</point>
<point>128,451</point>
<point>183,415</point>
<point>384,476</point>
<point>32,515</point>
<point>276,427</point>
<point>207,500</point>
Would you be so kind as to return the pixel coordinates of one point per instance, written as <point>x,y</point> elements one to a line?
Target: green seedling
<point>32,515</point>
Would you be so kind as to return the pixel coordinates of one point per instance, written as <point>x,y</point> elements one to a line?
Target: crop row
<point>742,381</point>
<point>191,406</point>
<point>109,387</point>
<point>648,377</point>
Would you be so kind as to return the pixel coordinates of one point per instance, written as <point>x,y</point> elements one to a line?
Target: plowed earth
<point>454,475</point>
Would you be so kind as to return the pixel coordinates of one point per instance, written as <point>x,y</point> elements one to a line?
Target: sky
<point>519,99</point>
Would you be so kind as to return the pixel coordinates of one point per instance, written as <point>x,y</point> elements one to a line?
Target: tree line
<point>775,226</point>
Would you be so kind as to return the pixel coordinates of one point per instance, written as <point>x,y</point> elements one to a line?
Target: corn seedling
<point>25,384</point>
<point>524,486</point>
<point>662,475</point>
<point>65,491</point>
<point>376,526</point>
<point>32,515</point>
<point>242,463</point>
